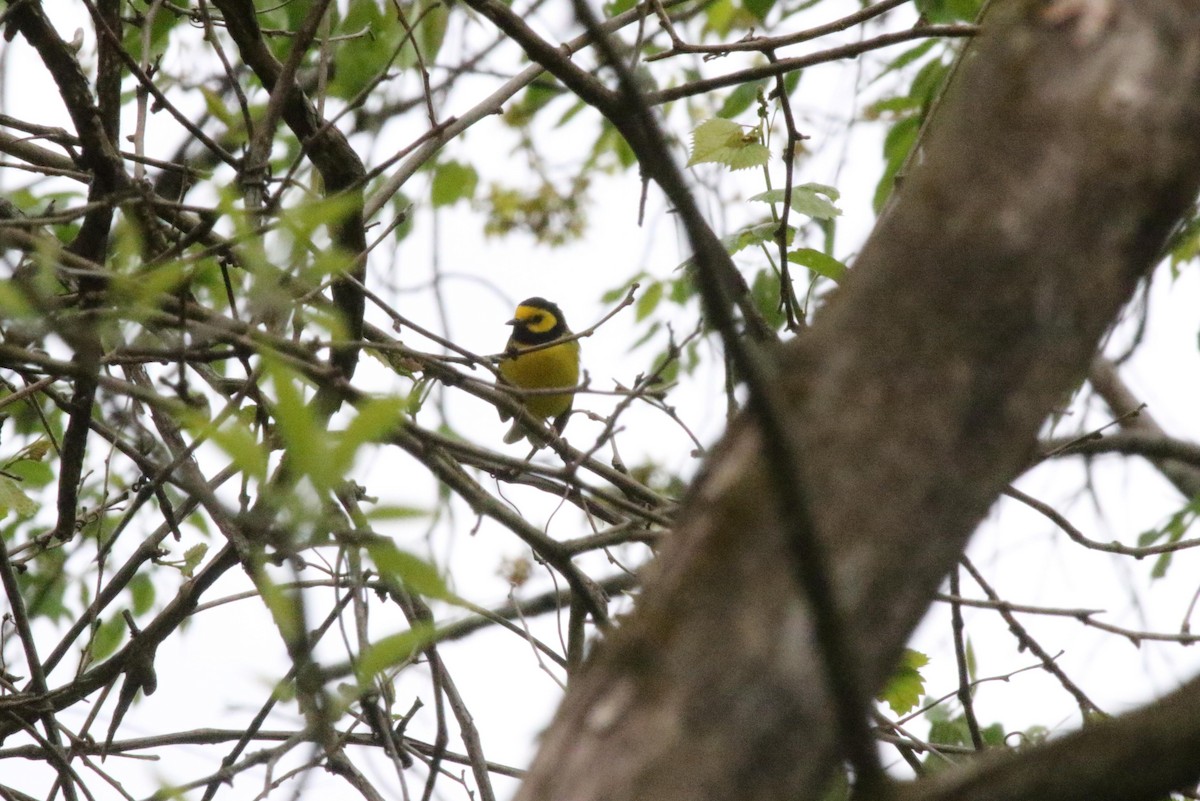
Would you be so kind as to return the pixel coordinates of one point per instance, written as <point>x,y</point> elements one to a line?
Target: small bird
<point>538,321</point>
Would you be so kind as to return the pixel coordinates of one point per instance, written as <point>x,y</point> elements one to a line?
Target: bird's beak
<point>513,321</point>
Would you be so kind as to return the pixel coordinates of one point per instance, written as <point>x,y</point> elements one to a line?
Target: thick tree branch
<point>1140,756</point>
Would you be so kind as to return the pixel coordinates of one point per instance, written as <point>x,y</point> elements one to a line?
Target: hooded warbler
<point>538,321</point>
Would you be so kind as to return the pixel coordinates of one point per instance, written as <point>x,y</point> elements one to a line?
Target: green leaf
<point>723,16</point>
<point>765,292</point>
<point>14,304</point>
<point>750,154</point>
<point>947,11</point>
<point>390,512</point>
<point>625,155</point>
<point>750,236</point>
<point>305,441</point>
<point>284,691</point>
<point>220,110</point>
<point>1172,531</point>
<point>1149,537</point>
<point>993,735</point>
<point>906,686</point>
<point>617,293</point>
<point>241,444</point>
<point>649,334</point>
<point>570,114</point>
<point>753,235</point>
<point>682,290</point>
<point>536,97</point>
<point>928,80</point>
<point>374,420</point>
<point>135,292</point>
<point>411,571</point>
<point>812,200</point>
<point>792,79</point>
<point>108,636</point>
<point>14,499</point>
<point>896,146</point>
<point>668,372</point>
<point>950,732</point>
<point>192,558</point>
<point>453,181</point>
<point>889,105</point>
<point>394,650</point>
<point>359,59</point>
<point>615,7</point>
<point>402,209</point>
<point>725,142</point>
<point>648,300</point>
<point>431,30</point>
<point>142,590</point>
<point>828,191</point>
<point>740,99</point>
<point>37,450</point>
<point>907,57</point>
<point>759,8</point>
<point>820,263</point>
<point>160,28</point>
<point>284,608</point>
<point>1185,243</point>
<point>302,220</point>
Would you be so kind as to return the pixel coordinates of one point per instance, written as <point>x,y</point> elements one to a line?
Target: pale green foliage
<point>813,200</point>
<point>906,686</point>
<point>453,181</point>
<point>820,263</point>
<point>724,142</point>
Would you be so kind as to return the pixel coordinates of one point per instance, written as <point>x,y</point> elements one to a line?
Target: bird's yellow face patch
<point>535,320</point>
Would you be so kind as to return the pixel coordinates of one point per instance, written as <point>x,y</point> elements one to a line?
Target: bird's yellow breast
<point>557,366</point>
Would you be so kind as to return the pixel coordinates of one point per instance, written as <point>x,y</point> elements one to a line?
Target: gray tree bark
<point>1061,158</point>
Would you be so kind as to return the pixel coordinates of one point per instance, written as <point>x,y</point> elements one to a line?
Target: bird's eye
<point>536,319</point>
